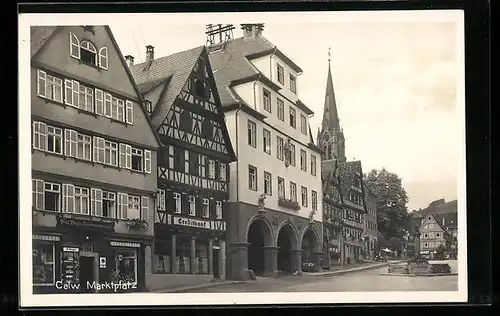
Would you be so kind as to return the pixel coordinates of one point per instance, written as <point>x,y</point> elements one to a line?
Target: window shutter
<point>147,161</point>
<point>74,143</point>
<point>67,142</point>
<point>96,148</point>
<point>68,198</point>
<point>144,208</point>
<point>99,102</point>
<point>41,83</point>
<point>68,92</point>
<point>103,58</point>
<point>128,154</point>
<point>129,112</point>
<point>124,205</point>
<point>123,155</point>
<point>96,198</point>
<point>42,131</point>
<point>101,149</point>
<point>74,46</point>
<point>76,93</point>
<point>92,202</point>
<point>39,196</point>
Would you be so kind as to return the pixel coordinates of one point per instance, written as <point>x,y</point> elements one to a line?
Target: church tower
<point>331,136</point>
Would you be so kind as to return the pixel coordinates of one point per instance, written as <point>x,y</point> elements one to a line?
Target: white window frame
<point>222,171</point>
<point>206,207</point>
<point>266,101</point>
<point>292,113</point>
<point>125,156</point>
<point>89,47</point>
<point>70,143</point>
<point>98,149</point>
<point>122,206</point>
<point>280,72</point>
<point>268,183</point>
<point>85,153</point>
<point>144,214</point>
<point>54,188</point>
<point>103,58</point>
<point>218,210</point>
<point>84,199</point>
<point>303,160</point>
<point>134,204</point>
<point>56,134</point>
<point>129,112</point>
<point>160,200</point>
<point>252,133</point>
<point>280,109</point>
<point>72,93</point>
<point>303,193</point>
<point>147,161</point>
<point>293,155</point>
<point>192,205</point>
<point>266,141</point>
<point>38,194</point>
<point>109,197</point>
<point>293,191</point>
<point>74,43</point>
<point>252,178</point>
<point>39,136</point>
<point>96,202</point>
<point>178,203</point>
<point>211,169</point>
<point>280,148</point>
<point>313,165</point>
<point>281,187</point>
<point>121,111</point>
<point>136,152</point>
<point>108,104</point>
<point>293,83</point>
<point>112,148</point>
<point>86,99</point>
<point>314,200</point>
<point>303,124</point>
<point>99,102</point>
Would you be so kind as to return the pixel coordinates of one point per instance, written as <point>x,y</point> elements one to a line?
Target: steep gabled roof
<point>39,35</point>
<point>347,173</point>
<point>435,220</point>
<point>172,71</point>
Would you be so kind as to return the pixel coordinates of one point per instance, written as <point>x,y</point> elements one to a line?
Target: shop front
<point>86,256</point>
<point>188,250</point>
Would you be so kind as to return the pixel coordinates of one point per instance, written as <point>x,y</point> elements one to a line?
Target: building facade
<point>346,178</point>
<point>445,215</point>
<point>370,232</point>
<point>273,223</point>
<point>93,163</point>
<point>193,167</point>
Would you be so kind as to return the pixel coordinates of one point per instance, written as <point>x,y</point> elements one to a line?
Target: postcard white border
<point>27,299</point>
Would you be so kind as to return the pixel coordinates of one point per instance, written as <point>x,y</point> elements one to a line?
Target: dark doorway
<point>256,248</point>
<point>309,243</point>
<point>87,266</point>
<point>216,263</point>
<point>284,254</point>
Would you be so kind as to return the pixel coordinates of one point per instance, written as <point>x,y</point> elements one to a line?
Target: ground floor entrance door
<point>87,277</point>
<point>216,263</point>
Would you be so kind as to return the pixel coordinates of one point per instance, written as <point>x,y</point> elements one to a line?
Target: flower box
<point>289,204</point>
<point>137,223</point>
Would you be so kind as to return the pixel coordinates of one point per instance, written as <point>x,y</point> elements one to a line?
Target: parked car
<point>308,267</point>
<point>380,259</point>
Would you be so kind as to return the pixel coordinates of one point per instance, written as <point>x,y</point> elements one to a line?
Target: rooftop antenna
<point>218,34</point>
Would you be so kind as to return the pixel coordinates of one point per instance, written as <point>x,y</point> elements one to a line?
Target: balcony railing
<point>294,205</point>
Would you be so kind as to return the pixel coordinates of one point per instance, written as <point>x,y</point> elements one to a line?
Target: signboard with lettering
<point>197,223</point>
<point>70,265</point>
<point>85,223</point>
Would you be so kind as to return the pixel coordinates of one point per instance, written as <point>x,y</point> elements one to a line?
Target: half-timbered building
<point>193,165</point>
<point>274,223</point>
<point>93,163</point>
<point>344,179</point>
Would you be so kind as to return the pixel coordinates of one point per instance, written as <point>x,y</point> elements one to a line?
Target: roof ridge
<point>168,56</point>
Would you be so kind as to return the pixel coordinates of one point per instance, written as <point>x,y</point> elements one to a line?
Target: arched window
<point>103,58</point>
<point>88,53</point>
<point>186,122</point>
<point>207,129</point>
<point>74,46</point>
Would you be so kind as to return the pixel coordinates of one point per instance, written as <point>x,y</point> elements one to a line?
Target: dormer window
<point>281,74</point>
<point>293,84</point>
<point>88,53</point>
<point>148,106</point>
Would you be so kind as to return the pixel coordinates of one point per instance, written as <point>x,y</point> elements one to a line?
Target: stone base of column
<point>238,252</point>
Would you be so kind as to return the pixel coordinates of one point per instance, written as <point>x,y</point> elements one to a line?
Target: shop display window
<point>125,265</point>
<point>162,256</point>
<point>183,252</point>
<point>201,259</point>
<point>43,263</point>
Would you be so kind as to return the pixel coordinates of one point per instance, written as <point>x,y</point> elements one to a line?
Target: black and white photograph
<point>242,158</point>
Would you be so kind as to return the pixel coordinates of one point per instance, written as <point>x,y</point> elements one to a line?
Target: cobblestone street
<point>368,281</point>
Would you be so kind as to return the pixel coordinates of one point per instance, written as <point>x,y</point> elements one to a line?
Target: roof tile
<point>39,35</point>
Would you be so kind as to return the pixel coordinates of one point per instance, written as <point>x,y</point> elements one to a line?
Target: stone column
<point>147,260</point>
<point>296,260</point>
<point>193,256</point>
<point>271,261</point>
<point>173,254</point>
<point>239,261</point>
<point>210,257</point>
<point>222,259</point>
<point>317,260</point>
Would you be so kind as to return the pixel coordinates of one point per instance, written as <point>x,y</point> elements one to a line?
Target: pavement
<point>265,282</point>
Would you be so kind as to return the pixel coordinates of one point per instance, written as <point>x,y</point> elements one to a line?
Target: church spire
<point>331,137</point>
<point>330,116</point>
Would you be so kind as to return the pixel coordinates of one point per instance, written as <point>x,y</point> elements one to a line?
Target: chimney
<point>150,53</point>
<point>252,30</point>
<point>129,59</point>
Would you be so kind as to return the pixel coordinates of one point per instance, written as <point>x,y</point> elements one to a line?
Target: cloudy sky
<point>395,81</point>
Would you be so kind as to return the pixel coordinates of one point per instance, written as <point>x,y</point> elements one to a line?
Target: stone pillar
<point>416,244</point>
<point>147,260</point>
<point>194,267</point>
<point>222,259</point>
<point>296,260</point>
<point>271,261</point>
<point>174,255</point>
<point>316,257</point>
<point>211,256</point>
<point>239,261</point>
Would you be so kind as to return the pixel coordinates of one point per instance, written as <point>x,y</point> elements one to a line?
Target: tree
<point>393,219</point>
<point>440,252</point>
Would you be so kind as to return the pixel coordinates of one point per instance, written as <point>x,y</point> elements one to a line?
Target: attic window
<point>429,218</point>
<point>148,106</point>
<point>200,89</point>
<point>88,53</point>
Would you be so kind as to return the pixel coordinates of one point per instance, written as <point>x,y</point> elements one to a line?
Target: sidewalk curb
<point>199,286</point>
<point>341,272</point>
<point>418,275</point>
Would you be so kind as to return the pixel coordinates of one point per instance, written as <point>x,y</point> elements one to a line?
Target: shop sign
<point>85,223</point>
<point>183,221</point>
<point>102,262</point>
<point>124,244</point>
<point>71,249</point>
